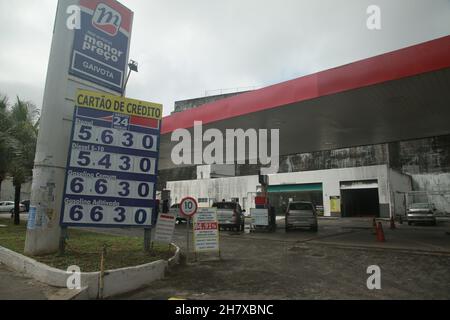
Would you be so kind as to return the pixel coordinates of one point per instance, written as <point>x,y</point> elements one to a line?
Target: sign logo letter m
<point>106,19</point>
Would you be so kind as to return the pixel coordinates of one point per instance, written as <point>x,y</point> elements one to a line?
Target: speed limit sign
<point>188,206</point>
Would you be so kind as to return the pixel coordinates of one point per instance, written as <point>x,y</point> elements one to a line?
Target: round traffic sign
<point>188,206</point>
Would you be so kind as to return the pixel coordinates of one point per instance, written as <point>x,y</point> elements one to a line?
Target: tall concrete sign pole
<point>81,29</point>
<point>50,159</point>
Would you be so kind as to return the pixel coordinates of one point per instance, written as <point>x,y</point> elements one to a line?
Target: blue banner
<point>100,47</point>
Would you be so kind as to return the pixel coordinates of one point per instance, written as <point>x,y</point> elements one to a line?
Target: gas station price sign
<point>112,163</point>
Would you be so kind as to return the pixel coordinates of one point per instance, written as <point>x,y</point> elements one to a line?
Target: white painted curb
<point>117,281</point>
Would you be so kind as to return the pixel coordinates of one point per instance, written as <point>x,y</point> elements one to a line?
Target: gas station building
<point>353,139</point>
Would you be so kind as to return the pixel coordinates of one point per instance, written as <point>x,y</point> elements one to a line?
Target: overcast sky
<point>187,47</point>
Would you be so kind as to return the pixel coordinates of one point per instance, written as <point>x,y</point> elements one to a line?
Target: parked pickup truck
<point>229,215</point>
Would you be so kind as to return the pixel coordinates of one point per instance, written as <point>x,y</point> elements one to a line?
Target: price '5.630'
<point>114,137</point>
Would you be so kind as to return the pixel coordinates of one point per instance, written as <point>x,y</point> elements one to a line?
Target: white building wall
<point>399,184</point>
<point>218,189</point>
<point>243,187</point>
<point>7,191</point>
<point>204,172</point>
<point>331,179</point>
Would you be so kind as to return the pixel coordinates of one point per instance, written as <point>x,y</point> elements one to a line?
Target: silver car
<point>421,212</point>
<point>8,206</point>
<point>301,214</point>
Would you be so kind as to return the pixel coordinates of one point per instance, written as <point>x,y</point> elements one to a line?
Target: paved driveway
<point>305,265</point>
<point>329,264</point>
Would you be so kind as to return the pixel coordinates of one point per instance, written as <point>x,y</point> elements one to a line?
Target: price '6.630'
<point>109,187</point>
<point>87,214</point>
<point>114,137</point>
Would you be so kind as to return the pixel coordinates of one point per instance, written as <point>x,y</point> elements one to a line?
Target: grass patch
<point>84,249</point>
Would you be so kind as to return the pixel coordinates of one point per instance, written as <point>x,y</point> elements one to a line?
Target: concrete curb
<point>117,281</point>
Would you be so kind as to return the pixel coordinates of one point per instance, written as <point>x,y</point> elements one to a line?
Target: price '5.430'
<point>112,162</point>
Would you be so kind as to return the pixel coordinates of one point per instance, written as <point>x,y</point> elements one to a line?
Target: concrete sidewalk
<point>345,232</point>
<point>15,286</point>
<point>420,239</point>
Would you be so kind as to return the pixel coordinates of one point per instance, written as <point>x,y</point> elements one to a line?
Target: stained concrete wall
<point>193,103</point>
<point>333,159</point>
<point>399,184</point>
<point>428,181</point>
<point>427,155</point>
<point>327,159</point>
<point>439,185</point>
<point>427,160</point>
<point>420,156</point>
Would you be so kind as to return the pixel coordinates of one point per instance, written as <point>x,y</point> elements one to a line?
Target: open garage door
<point>360,199</point>
<point>280,195</point>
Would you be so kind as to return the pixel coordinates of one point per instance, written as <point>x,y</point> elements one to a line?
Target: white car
<point>421,212</point>
<point>8,206</point>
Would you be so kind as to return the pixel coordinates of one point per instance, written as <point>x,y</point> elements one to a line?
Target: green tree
<point>23,131</point>
<point>7,142</point>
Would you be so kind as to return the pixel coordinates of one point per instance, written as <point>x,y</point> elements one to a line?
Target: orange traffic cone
<point>380,233</point>
<point>374,225</point>
<point>392,223</point>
